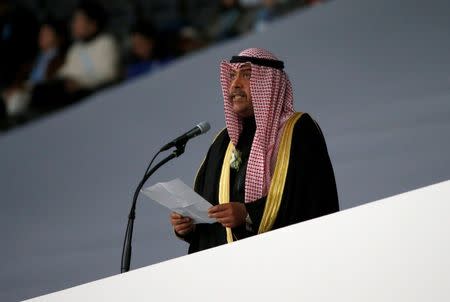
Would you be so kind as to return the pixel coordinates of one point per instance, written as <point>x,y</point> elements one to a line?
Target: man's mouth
<point>237,96</point>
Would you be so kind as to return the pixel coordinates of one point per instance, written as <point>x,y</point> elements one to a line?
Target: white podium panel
<point>394,249</point>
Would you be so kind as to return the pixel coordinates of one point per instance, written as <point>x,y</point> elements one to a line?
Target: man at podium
<point>269,167</point>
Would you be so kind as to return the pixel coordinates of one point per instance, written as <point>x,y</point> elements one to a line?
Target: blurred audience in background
<point>224,22</point>
<point>18,35</point>
<point>265,14</point>
<point>18,47</point>
<point>145,54</point>
<point>46,67</point>
<point>92,61</point>
<point>188,40</point>
<point>52,46</point>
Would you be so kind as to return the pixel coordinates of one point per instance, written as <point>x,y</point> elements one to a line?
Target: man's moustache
<point>239,93</point>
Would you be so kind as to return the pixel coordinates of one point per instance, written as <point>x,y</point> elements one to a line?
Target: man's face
<point>141,46</point>
<point>82,26</point>
<point>239,96</point>
<point>48,38</point>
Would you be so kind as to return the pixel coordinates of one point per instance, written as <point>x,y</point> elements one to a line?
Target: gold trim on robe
<point>224,185</point>
<point>276,189</point>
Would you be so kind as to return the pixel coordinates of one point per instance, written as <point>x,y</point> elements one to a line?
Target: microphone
<point>201,128</point>
<point>179,142</point>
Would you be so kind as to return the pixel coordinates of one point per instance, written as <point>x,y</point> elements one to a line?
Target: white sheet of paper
<point>180,198</point>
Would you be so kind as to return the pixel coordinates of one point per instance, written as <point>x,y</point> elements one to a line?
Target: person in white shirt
<point>92,61</point>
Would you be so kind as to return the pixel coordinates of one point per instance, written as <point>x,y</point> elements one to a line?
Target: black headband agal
<point>258,61</point>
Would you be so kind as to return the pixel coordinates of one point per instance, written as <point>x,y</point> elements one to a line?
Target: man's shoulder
<point>221,137</point>
<point>105,37</point>
<point>103,40</point>
<point>305,120</point>
<point>306,126</point>
<point>218,146</point>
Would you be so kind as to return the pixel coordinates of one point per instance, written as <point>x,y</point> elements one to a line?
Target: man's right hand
<point>182,225</point>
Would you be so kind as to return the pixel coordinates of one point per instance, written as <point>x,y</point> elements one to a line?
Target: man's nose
<point>236,82</point>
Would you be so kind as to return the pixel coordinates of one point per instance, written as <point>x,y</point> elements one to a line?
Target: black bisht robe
<point>309,192</point>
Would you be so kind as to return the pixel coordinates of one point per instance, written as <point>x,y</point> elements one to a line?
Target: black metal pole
<point>127,247</point>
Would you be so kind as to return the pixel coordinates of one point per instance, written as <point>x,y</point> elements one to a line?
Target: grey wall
<point>375,74</point>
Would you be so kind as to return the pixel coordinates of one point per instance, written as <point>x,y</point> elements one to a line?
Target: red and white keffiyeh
<point>271,94</point>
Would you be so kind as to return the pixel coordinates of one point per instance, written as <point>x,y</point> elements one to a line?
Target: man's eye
<point>247,75</point>
<point>232,75</point>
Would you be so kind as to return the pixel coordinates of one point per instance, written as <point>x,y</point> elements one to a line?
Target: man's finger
<point>222,214</point>
<point>183,227</point>
<point>174,215</point>
<point>213,209</point>
<point>217,208</point>
<point>181,232</point>
<point>182,220</point>
<point>184,224</point>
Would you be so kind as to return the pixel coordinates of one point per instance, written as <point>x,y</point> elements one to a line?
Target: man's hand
<point>230,215</point>
<point>182,225</point>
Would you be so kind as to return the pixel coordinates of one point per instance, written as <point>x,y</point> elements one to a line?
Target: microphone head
<point>204,127</point>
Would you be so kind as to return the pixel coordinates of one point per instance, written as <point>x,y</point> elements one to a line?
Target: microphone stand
<point>126,249</point>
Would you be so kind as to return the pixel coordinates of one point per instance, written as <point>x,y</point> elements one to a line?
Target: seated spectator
<point>188,40</point>
<point>265,14</point>
<point>225,22</point>
<point>51,42</point>
<point>144,56</point>
<point>92,61</point>
<point>53,46</point>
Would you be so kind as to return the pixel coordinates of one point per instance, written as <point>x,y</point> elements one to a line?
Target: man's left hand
<point>230,215</point>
